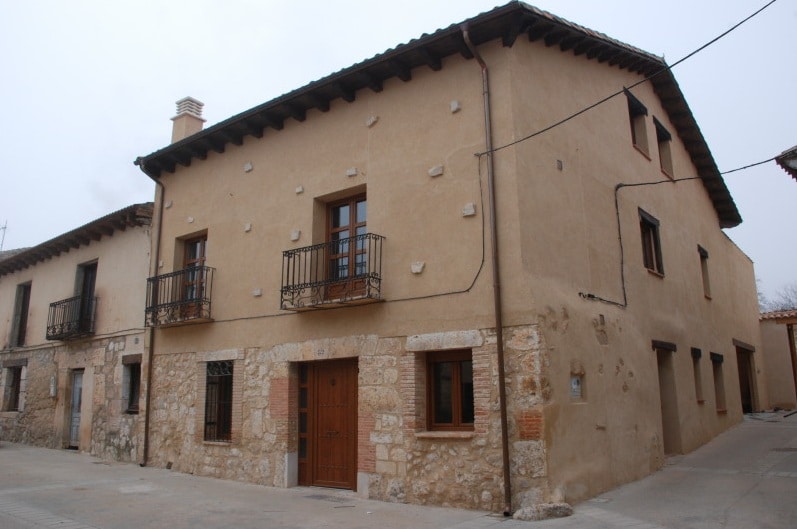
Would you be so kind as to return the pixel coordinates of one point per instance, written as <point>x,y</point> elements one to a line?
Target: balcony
<point>333,274</point>
<point>71,318</point>
<point>179,298</point>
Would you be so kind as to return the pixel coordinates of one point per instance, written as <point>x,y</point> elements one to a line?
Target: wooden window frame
<point>637,112</point>
<point>192,289</point>
<point>457,358</point>
<point>664,142</point>
<point>351,284</point>
<point>651,243</point>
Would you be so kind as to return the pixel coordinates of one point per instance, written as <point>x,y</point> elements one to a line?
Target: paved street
<point>746,478</point>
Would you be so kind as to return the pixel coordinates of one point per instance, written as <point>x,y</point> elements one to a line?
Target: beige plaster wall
<point>105,429</point>
<point>122,269</point>
<point>569,248</point>
<point>779,369</point>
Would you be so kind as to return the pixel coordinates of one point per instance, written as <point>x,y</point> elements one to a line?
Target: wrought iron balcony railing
<point>335,273</point>
<point>179,297</point>
<point>71,318</point>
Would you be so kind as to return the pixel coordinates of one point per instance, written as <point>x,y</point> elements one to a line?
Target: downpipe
<point>151,347</point>
<point>499,326</point>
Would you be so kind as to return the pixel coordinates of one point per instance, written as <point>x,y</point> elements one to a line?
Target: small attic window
<point>664,141</point>
<point>637,113</point>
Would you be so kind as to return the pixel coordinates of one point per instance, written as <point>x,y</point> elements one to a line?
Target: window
<point>704,271</point>
<point>131,383</point>
<point>347,256</point>
<point>696,355</point>
<point>664,140</point>
<point>14,378</point>
<point>21,309</point>
<point>194,277</point>
<point>218,401</point>
<point>84,287</point>
<point>194,260</point>
<point>636,113</point>
<point>719,381</point>
<point>651,245</point>
<point>450,390</point>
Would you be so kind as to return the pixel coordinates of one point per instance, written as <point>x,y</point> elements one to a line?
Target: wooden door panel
<point>333,439</point>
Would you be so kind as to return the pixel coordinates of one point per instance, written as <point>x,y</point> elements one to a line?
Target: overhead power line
<point>762,162</point>
<point>621,91</point>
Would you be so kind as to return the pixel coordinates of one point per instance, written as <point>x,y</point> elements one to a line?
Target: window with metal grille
<point>218,401</point>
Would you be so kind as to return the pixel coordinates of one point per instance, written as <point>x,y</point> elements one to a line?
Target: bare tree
<point>763,301</point>
<point>785,299</point>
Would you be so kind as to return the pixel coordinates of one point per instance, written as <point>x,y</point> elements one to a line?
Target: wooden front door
<point>328,424</point>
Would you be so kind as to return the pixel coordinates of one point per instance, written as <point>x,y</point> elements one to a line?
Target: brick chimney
<point>188,120</point>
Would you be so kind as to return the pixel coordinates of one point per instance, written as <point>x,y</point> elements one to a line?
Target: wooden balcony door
<point>328,424</point>
<point>88,279</point>
<point>194,277</point>
<point>347,258</point>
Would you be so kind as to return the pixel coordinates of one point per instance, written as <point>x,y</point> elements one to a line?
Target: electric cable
<point>617,93</point>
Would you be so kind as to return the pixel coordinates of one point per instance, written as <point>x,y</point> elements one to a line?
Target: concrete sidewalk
<point>746,478</point>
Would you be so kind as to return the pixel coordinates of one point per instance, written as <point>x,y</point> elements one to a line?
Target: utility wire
<point>762,162</point>
<point>617,93</point>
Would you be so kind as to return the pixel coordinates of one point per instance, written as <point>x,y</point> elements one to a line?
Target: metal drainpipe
<point>151,349</point>
<point>499,326</point>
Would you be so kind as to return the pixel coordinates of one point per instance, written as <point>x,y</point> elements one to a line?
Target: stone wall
<point>115,434</point>
<point>33,423</point>
<point>398,460</point>
<point>44,419</point>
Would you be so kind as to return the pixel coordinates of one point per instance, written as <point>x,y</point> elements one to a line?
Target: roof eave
<point>134,215</point>
<point>507,23</point>
<point>787,160</point>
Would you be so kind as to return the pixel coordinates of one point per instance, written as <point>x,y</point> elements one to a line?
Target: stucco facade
<point>611,361</point>
<point>780,353</point>
<point>67,350</point>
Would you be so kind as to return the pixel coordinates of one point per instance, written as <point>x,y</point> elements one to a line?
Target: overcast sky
<point>87,86</point>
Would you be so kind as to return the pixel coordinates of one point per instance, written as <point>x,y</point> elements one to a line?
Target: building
<point>72,337</point>
<point>780,352</point>
<point>787,160</point>
<point>385,281</point>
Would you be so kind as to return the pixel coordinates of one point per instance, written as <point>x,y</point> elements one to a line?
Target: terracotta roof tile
<point>779,314</point>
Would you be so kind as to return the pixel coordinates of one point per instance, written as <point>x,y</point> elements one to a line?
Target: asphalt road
<point>746,478</point>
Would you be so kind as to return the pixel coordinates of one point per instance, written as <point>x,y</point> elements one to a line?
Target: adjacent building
<point>72,337</point>
<point>779,344</point>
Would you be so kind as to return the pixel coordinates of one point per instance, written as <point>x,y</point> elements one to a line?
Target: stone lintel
<point>217,356</point>
<point>439,341</point>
